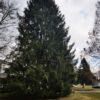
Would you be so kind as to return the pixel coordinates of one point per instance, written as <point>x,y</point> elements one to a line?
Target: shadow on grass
<point>22,97</point>
<point>19,98</point>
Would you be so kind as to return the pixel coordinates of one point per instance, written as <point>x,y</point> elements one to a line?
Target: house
<point>96,85</point>
<point>97,74</point>
<point>3,75</point>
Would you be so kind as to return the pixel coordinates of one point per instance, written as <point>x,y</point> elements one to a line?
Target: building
<point>3,75</point>
<point>97,74</point>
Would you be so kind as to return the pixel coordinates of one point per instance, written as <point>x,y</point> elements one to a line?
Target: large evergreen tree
<point>43,64</point>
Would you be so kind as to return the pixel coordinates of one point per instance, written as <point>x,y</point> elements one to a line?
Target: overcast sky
<point>79,16</point>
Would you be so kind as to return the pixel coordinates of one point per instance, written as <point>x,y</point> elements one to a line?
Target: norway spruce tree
<point>43,66</point>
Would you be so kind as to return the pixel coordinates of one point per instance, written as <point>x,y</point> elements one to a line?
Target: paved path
<point>91,91</point>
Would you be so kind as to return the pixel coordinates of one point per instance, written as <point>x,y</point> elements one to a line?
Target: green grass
<point>76,96</point>
<point>79,88</point>
<point>80,96</point>
<point>93,95</point>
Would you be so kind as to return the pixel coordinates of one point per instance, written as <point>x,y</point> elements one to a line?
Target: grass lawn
<point>88,95</point>
<point>79,88</point>
<point>93,95</point>
<point>80,96</point>
<point>75,96</point>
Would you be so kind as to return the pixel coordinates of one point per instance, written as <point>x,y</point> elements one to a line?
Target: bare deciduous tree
<point>8,19</point>
<point>94,36</point>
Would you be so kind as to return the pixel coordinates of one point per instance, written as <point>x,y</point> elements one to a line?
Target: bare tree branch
<point>8,13</point>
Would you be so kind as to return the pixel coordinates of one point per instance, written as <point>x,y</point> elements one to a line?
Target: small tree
<point>85,76</point>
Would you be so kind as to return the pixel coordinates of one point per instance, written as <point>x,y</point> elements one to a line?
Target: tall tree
<point>8,12</point>
<point>43,62</point>
<point>85,76</point>
<point>94,43</point>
